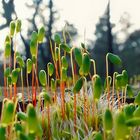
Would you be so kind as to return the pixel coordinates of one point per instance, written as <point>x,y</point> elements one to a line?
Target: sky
<point>85,14</point>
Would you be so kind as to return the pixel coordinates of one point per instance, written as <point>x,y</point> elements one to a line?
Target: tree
<point>131,52</point>
<point>8,11</point>
<point>103,43</point>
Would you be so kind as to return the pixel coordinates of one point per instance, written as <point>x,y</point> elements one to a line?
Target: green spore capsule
<point>65,47</point>
<point>108,121</point>
<point>33,47</point>
<point>8,39</point>
<point>86,63</point>
<point>64,74</point>
<point>20,61</point>
<point>15,73</point>
<point>125,78</point>
<point>18,26</point>
<point>53,84</point>
<point>78,56</point>
<point>78,85</point>
<point>7,72</point>
<point>115,59</point>
<point>41,34</point>
<point>29,65</point>
<point>42,78</point>
<point>50,67</point>
<point>57,39</point>
<point>8,113</point>
<point>34,36</point>
<point>56,54</point>
<point>12,28</point>
<point>119,81</point>
<point>7,51</point>
<point>64,62</point>
<point>97,87</point>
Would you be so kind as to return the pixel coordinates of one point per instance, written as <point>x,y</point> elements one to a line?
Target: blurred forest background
<point>124,42</point>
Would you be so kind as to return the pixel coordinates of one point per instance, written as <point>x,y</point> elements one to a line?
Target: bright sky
<point>84,14</point>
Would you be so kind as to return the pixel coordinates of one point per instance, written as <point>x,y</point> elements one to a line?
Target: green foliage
<point>33,122</point>
<point>108,121</point>
<point>8,113</point>
<point>128,111</point>
<point>121,129</point>
<point>2,133</point>
<point>137,99</point>
<point>98,136</point>
<point>130,91</point>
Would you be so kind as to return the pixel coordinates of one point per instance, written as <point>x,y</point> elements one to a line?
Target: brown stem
<point>22,89</point>
<point>15,91</point>
<point>4,68</point>
<point>10,91</point>
<point>108,87</point>
<point>63,100</point>
<point>49,127</point>
<point>33,84</point>
<point>28,90</point>
<point>75,114</point>
<point>113,90</point>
